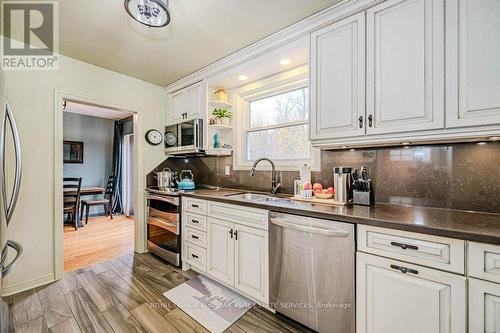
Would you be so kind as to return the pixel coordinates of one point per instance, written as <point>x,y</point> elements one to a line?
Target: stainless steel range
<point>164,224</point>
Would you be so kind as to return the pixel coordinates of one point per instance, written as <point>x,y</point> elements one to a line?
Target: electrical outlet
<point>227,170</point>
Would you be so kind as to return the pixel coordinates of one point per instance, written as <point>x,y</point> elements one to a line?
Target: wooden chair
<point>107,201</point>
<point>72,187</point>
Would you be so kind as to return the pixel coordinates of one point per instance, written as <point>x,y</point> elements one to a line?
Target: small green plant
<point>222,113</point>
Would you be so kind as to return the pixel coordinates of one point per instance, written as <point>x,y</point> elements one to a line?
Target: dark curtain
<point>117,166</point>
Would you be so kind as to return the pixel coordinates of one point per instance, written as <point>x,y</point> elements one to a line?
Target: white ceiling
<point>95,111</point>
<point>201,32</point>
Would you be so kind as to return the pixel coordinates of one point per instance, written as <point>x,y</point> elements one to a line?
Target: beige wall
<point>32,97</point>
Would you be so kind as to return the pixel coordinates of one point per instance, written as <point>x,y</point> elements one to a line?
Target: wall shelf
<point>218,152</point>
<point>220,104</point>
<point>221,127</point>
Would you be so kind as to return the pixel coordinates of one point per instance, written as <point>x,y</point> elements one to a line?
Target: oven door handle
<point>298,227</point>
<point>173,201</point>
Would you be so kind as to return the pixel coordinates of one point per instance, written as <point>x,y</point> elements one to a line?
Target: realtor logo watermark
<point>30,32</point>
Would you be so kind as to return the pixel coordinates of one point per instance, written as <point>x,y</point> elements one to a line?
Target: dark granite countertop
<point>468,225</point>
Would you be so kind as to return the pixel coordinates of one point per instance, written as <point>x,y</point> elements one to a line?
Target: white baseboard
<point>27,285</point>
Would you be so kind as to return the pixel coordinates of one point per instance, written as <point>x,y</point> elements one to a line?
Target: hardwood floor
<point>123,294</point>
<point>99,240</point>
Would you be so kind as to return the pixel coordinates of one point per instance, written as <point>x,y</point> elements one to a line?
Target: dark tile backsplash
<point>459,176</point>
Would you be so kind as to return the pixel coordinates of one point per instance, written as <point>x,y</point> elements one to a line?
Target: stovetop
<point>174,191</point>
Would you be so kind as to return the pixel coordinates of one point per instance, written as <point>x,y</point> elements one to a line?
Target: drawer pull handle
<point>195,237</point>
<point>405,246</point>
<point>195,256</point>
<point>404,269</point>
<point>195,221</point>
<point>195,206</point>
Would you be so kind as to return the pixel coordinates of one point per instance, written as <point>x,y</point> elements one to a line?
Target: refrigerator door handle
<point>9,207</point>
<point>19,251</point>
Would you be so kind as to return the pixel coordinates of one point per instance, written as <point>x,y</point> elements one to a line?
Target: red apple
<point>317,186</point>
<point>308,186</point>
<point>331,190</point>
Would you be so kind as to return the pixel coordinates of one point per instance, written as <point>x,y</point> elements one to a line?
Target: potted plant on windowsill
<point>222,116</point>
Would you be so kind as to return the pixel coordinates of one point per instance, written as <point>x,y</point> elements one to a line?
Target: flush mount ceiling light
<point>242,77</point>
<point>286,61</point>
<point>153,13</point>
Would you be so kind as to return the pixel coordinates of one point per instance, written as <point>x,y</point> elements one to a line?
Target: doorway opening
<point>98,171</point>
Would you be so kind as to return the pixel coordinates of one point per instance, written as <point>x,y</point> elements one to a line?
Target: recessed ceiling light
<point>242,77</point>
<point>286,61</point>
<point>481,143</point>
<point>343,147</point>
<point>405,143</point>
<point>494,138</point>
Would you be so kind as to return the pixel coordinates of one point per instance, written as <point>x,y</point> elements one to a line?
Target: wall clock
<point>154,137</point>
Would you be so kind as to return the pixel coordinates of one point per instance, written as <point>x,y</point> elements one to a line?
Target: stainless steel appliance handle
<point>327,232</point>
<point>19,251</point>
<point>10,206</point>
<point>164,199</point>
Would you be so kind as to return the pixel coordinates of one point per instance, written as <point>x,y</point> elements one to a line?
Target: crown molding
<point>287,35</point>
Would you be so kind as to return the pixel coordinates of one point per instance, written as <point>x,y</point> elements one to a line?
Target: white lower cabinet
<point>484,306</point>
<point>220,263</point>
<point>251,261</point>
<point>238,256</point>
<point>394,297</point>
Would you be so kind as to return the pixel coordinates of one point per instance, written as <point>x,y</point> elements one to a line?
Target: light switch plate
<point>227,170</point>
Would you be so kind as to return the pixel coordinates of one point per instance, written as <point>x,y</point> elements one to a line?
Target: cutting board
<point>314,200</point>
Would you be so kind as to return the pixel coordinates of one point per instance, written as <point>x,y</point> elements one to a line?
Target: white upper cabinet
<point>405,66</point>
<point>187,103</point>
<point>178,107</point>
<point>473,65</point>
<point>337,79</point>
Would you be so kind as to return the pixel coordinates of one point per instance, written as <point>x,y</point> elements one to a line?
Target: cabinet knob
<point>360,119</point>
<point>231,233</point>
<point>370,120</point>
<point>236,234</point>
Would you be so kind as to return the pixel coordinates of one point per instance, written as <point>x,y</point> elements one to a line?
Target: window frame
<point>269,87</point>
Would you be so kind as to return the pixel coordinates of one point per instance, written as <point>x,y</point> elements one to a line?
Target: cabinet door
<point>251,262</point>
<point>405,66</point>
<point>421,300</point>
<point>178,106</point>
<point>484,306</point>
<point>220,248</point>
<point>473,66</point>
<point>194,101</point>
<point>338,79</point>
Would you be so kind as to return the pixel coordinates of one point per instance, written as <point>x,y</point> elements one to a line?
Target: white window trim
<point>281,83</point>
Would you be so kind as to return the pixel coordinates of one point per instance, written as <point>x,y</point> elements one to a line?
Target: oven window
<point>163,238</point>
<point>187,134</point>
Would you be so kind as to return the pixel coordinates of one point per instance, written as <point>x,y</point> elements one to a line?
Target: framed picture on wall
<point>73,152</point>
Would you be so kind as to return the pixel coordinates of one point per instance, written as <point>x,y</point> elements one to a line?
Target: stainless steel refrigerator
<point>10,158</point>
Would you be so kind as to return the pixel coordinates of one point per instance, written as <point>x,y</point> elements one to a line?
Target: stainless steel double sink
<point>256,197</point>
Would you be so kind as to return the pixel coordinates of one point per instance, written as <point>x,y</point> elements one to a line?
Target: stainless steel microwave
<point>184,138</point>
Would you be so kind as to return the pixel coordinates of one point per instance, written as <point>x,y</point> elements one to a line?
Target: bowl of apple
<point>321,193</point>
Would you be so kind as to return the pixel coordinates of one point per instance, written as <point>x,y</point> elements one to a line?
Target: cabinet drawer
<point>195,206</point>
<point>196,256</point>
<point>432,251</point>
<point>252,217</point>
<point>195,221</point>
<point>196,237</point>
<point>484,261</point>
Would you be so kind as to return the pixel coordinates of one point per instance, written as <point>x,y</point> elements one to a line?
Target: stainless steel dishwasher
<point>312,271</point>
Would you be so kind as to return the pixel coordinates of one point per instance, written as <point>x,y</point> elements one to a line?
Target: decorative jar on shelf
<point>220,95</point>
<point>225,121</point>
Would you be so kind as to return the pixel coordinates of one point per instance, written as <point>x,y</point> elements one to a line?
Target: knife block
<point>362,198</point>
